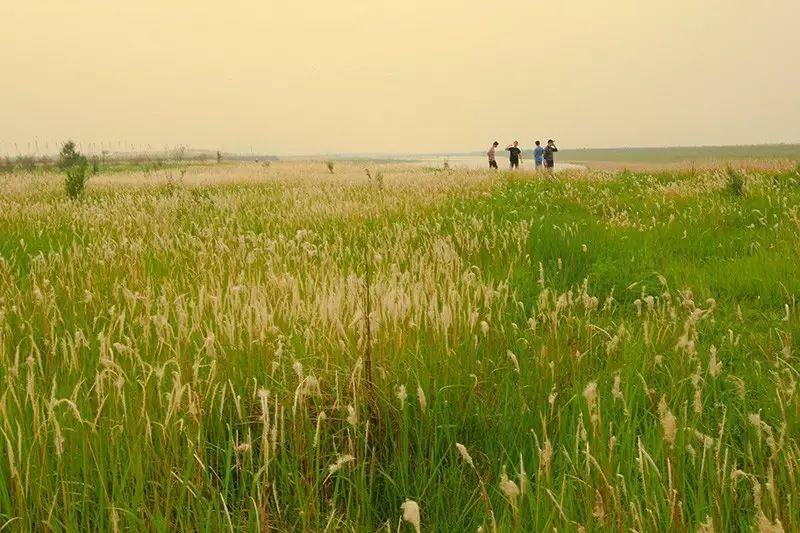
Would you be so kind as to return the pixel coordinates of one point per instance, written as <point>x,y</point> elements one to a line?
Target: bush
<point>378,178</point>
<point>735,182</point>
<point>329,164</point>
<point>26,163</point>
<point>74,165</point>
<point>6,166</point>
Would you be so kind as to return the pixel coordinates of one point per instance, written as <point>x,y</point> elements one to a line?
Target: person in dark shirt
<point>514,154</point>
<point>549,161</point>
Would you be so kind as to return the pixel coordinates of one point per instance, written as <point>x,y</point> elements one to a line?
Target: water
<point>481,162</point>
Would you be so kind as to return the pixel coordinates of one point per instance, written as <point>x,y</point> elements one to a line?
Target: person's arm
<point>509,147</point>
<point>554,148</point>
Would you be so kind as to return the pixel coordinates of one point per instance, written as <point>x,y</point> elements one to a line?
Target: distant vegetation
<point>677,154</point>
<point>124,161</point>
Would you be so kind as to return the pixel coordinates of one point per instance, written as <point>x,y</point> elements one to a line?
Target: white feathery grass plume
<point>297,366</point>
<point>590,393</point>
<point>421,397</point>
<point>465,454</point>
<point>321,418</point>
<point>402,395</point>
<point>514,361</point>
<point>714,366</point>
<point>765,525</point>
<point>598,510</point>
<point>509,489</point>
<point>545,456</point>
<point>340,462</point>
<point>669,423</point>
<point>698,396</point>
<point>411,514</point>
<point>616,392</point>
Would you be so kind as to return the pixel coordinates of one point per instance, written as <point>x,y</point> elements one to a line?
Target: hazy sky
<point>350,76</point>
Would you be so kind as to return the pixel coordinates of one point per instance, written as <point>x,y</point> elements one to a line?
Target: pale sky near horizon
<point>377,76</point>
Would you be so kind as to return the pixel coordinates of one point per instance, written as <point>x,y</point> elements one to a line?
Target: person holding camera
<point>549,150</point>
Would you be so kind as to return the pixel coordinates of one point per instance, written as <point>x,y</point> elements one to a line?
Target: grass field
<point>243,348</point>
<point>685,153</point>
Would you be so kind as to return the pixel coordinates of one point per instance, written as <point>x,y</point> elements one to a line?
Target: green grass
<point>167,352</point>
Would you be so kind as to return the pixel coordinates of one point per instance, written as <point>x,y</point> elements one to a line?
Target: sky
<point>401,76</point>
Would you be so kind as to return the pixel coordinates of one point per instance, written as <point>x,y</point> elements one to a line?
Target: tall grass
<point>581,354</point>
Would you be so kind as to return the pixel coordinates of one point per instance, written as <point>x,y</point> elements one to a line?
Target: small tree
<point>736,182</point>
<point>219,157</point>
<point>329,164</point>
<point>73,164</point>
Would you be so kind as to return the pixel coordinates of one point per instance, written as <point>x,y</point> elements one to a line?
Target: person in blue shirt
<point>538,155</point>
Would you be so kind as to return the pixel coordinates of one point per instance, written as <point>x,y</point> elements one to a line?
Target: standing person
<point>491,156</point>
<point>514,155</point>
<point>538,155</point>
<point>549,161</point>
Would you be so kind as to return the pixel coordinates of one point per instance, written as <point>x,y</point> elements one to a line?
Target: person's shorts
<point>538,164</point>
<point>492,164</point>
<point>514,164</point>
<point>549,164</point>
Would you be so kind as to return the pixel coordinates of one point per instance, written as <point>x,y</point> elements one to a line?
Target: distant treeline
<point>684,153</point>
<point>29,163</point>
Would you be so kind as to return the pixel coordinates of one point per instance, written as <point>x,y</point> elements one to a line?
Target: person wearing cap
<point>538,155</point>
<point>491,156</point>
<point>550,149</point>
<point>514,154</point>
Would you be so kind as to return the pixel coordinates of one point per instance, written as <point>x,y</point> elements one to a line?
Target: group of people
<point>541,156</point>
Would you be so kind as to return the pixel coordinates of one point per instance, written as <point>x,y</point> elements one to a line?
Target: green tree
<point>74,165</point>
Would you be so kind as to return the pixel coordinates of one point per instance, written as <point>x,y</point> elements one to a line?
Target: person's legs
<point>493,164</point>
<point>514,165</point>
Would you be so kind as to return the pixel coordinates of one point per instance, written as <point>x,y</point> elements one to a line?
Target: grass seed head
<point>340,462</point>
<point>465,454</point>
<point>669,424</point>
<point>411,514</point>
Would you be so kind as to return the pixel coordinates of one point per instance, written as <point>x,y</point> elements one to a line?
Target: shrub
<point>735,182</point>
<point>378,178</point>
<point>6,166</point>
<point>329,164</point>
<point>26,163</point>
<point>73,164</point>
